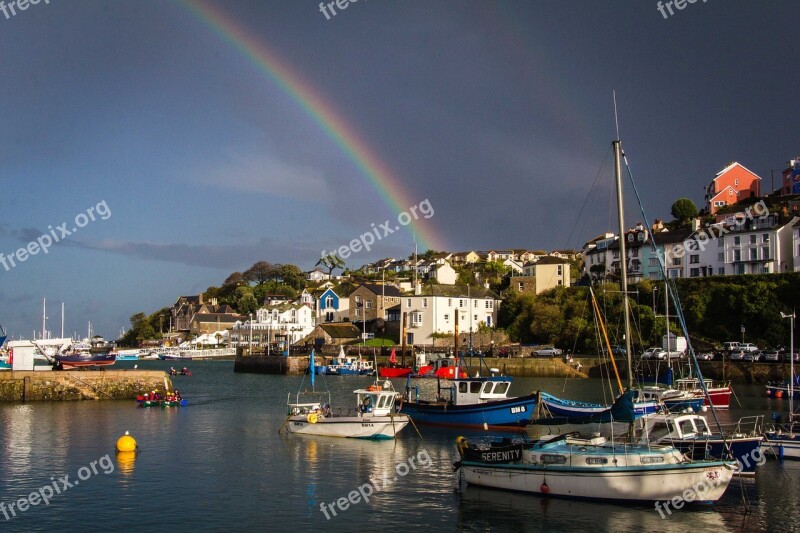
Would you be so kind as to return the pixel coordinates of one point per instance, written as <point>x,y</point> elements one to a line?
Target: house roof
<point>344,330</point>
<point>735,164</point>
<point>217,317</point>
<point>550,260</point>
<point>672,237</point>
<point>456,291</point>
<point>387,290</point>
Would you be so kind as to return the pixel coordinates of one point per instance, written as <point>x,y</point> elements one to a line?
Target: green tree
<point>331,262</point>
<point>259,273</point>
<point>684,210</point>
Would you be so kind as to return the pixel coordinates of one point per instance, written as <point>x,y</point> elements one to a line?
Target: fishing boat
<point>690,434</point>
<point>442,368</point>
<point>575,410</point>
<point>347,365</point>
<point>676,401</point>
<point>712,393</point>
<point>372,417</point>
<point>81,359</point>
<point>394,371</point>
<point>596,467</point>
<point>127,355</point>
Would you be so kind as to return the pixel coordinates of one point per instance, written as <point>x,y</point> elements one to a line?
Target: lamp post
<point>742,326</point>
<point>250,338</point>
<point>655,290</point>
<point>791,362</point>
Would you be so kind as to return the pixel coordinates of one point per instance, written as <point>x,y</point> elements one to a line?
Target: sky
<point>211,135</point>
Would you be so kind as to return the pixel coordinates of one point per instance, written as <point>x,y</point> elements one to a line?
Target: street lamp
<point>250,338</point>
<point>655,290</point>
<point>791,359</point>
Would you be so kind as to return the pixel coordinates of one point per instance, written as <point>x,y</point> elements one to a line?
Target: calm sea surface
<point>220,464</point>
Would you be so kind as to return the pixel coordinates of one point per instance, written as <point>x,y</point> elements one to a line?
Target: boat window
<point>687,427</point>
<point>597,460</point>
<point>475,387</point>
<point>462,387</point>
<point>487,387</point>
<point>501,388</point>
<point>553,459</point>
<point>382,401</point>
<point>652,459</point>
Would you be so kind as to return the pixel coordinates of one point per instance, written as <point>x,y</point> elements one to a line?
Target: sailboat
<point>372,416</point>
<point>594,467</point>
<point>783,440</point>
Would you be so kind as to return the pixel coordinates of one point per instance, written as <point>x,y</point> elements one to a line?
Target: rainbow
<point>335,126</point>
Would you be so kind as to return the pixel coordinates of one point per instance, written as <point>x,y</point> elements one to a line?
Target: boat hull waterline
<point>382,427</point>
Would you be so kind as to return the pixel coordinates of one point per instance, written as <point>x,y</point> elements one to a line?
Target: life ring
<point>312,418</point>
<point>373,387</point>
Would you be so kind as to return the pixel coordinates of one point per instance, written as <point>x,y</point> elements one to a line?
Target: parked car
<point>772,356</point>
<point>654,353</point>
<point>752,356</point>
<point>737,356</point>
<point>706,356</point>
<point>748,347</point>
<point>796,357</point>
<point>618,351</point>
<point>730,346</point>
<point>543,352</point>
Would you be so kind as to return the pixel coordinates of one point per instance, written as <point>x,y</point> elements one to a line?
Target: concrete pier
<point>29,386</point>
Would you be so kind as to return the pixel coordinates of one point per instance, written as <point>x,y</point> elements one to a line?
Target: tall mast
<point>62,320</point>
<point>44,316</point>
<point>623,258</point>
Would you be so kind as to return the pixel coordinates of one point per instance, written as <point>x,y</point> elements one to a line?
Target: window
<point>475,304</point>
<point>475,387</point>
<point>489,304</point>
<point>765,237</point>
<point>694,259</point>
<point>416,318</point>
<point>408,302</point>
<point>368,304</point>
<point>738,268</point>
<point>737,255</point>
<point>753,254</point>
<point>676,261</point>
<point>424,302</point>
<point>736,181</point>
<point>721,271</point>
<point>449,302</point>
<point>460,303</point>
<point>753,239</point>
<point>694,272</point>
<point>654,261</point>
<point>634,253</point>
<point>329,302</point>
<point>737,240</point>
<point>615,254</point>
<point>358,311</point>
<point>521,286</point>
<point>720,243</point>
<point>475,318</point>
<point>560,282</point>
<point>721,257</point>
<point>447,318</point>
<point>559,270</point>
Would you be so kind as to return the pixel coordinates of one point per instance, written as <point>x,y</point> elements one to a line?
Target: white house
<point>317,275</point>
<point>760,246</point>
<point>433,309</point>
<point>275,324</point>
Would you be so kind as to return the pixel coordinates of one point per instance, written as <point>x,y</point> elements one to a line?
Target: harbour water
<point>220,464</point>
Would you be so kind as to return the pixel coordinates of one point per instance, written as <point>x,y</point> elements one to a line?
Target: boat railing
<point>746,425</point>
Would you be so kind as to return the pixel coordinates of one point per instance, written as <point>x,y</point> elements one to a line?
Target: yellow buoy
<point>126,443</point>
<point>312,418</point>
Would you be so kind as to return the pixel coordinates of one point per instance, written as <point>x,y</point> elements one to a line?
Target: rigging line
<point>674,293</point>
<point>588,195</point>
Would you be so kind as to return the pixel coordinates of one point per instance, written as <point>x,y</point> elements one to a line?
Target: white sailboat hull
<point>781,446</point>
<point>708,483</point>
<point>358,427</point>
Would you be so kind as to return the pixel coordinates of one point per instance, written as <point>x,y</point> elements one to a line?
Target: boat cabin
<point>472,391</point>
<point>376,400</point>
<point>666,427</point>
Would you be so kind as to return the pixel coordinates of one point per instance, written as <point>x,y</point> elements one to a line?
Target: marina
<point>228,437</point>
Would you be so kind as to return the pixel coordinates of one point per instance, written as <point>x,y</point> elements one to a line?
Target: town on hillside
<point>272,307</point>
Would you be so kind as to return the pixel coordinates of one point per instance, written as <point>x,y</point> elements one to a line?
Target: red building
<point>731,184</point>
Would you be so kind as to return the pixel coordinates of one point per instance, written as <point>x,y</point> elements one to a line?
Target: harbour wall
<point>537,367</point>
<point>79,384</point>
